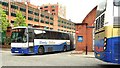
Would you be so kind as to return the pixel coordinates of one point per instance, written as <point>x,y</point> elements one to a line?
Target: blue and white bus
<point>107,31</point>
<point>29,40</point>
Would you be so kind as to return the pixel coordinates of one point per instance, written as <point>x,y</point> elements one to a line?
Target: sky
<point>76,10</point>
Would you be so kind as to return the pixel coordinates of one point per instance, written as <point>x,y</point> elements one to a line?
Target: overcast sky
<point>76,10</point>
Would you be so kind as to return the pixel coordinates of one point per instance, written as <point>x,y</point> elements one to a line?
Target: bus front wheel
<point>41,50</point>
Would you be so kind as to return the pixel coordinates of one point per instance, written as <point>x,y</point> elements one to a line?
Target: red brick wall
<point>87,33</point>
<point>82,32</point>
<point>89,19</point>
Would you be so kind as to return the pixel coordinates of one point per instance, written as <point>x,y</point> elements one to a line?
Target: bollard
<point>86,50</point>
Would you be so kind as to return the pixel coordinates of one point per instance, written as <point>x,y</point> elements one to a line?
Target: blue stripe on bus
<point>35,48</point>
<point>112,53</point>
<point>55,47</point>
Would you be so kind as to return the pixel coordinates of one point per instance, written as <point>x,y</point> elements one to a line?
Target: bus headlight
<point>104,48</point>
<point>105,39</point>
<point>105,43</point>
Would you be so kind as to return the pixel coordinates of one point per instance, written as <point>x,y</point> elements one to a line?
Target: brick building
<point>36,16</point>
<point>54,9</point>
<point>84,32</point>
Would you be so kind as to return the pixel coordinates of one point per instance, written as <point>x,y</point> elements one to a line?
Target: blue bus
<point>107,31</point>
<point>27,40</point>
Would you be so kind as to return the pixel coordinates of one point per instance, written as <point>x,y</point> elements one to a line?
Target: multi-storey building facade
<point>35,16</point>
<point>54,9</point>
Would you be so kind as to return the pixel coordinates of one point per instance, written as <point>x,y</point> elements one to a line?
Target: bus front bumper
<point>20,50</point>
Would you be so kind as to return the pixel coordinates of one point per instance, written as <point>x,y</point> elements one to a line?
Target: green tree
<point>3,25</point>
<point>19,20</point>
<point>3,20</point>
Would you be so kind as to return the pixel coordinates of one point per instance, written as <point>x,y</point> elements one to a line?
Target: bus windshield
<point>19,35</point>
<point>116,2</point>
<point>101,7</point>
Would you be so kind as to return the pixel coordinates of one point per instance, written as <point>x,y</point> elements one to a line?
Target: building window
<point>68,27</point>
<point>47,17</point>
<point>13,14</point>
<point>47,22</point>
<point>4,3</point>
<point>64,30</point>
<point>41,8</point>
<point>53,14</point>
<point>53,6</point>
<point>30,11</point>
<point>42,15</point>
<point>51,23</point>
<point>37,14</point>
<point>58,29</point>
<point>12,21</point>
<point>46,7</point>
<point>46,27</point>
<point>58,20</point>
<point>37,20</point>
<point>14,7</point>
<point>59,25</point>
<point>46,10</point>
<point>42,21</point>
<point>51,18</point>
<point>53,10</point>
<point>64,22</point>
<point>30,18</point>
<point>51,28</point>
<point>64,26</point>
<point>7,13</point>
<point>23,9</point>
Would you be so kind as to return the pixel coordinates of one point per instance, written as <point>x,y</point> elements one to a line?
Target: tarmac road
<point>50,59</point>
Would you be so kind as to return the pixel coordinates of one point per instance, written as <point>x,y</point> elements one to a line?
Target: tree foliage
<point>19,20</point>
<point>3,20</point>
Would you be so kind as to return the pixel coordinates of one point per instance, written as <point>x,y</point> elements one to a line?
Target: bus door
<point>31,39</point>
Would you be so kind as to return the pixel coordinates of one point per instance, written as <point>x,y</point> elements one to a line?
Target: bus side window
<point>59,36</point>
<point>47,35</point>
<point>56,35</point>
<point>53,35</point>
<point>66,37</point>
<point>63,36</point>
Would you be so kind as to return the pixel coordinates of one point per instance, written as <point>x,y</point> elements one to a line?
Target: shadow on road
<point>109,65</point>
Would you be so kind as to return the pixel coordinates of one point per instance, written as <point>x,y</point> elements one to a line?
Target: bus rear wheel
<point>41,50</point>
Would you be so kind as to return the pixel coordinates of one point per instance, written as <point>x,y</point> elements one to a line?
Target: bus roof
<point>39,29</point>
